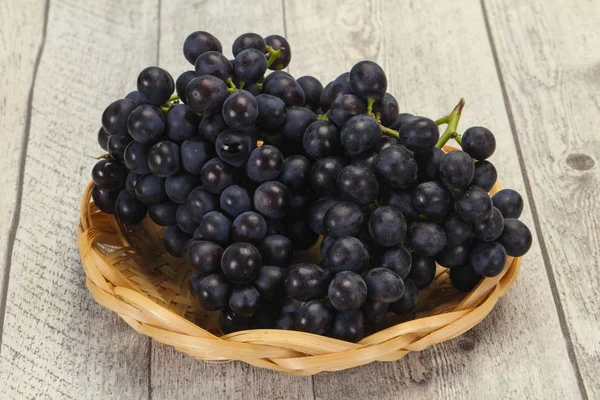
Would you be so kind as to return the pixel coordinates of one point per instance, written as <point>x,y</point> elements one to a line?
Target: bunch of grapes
<point>245,169</point>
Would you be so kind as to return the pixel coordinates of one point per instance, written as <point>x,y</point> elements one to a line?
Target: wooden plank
<point>434,53</point>
<point>550,63</point>
<point>57,342</point>
<point>176,375</point>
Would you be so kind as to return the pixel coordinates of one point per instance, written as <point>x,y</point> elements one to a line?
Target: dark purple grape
<point>365,160</point>
<point>426,238</point>
<point>347,254</point>
<point>175,241</point>
<point>200,201</point>
<point>272,199</point>
<point>357,184</point>
<point>327,241</point>
<point>488,258</point>
<point>109,174</point>
<point>215,227</point>
<point>312,91</point>
<point>271,111</point>
<point>374,312</point>
<point>343,219</point>
<point>105,199</point>
<point>397,166</point>
<point>277,42</point>
<point>408,301</point>
<point>388,108</point>
<point>490,229</point>
<point>163,214</point>
<point>150,189</point>
<point>212,291</point>
<point>103,139</point>
<point>344,107</point>
<point>164,159</point>
<point>324,173</point>
<point>347,326</point>
<point>245,301</point>
<point>270,283</point>
<point>204,257</point>
<point>235,200</point>
<point>295,173</point>
<point>184,220</point>
<point>485,175</point>
<point>194,154</point>
<point>241,262</point>
<point>457,170</point>
<point>250,66</point>
<point>248,41</point>
<point>428,163</point>
<point>419,134</point>
<point>264,164</point>
<point>387,226</point>
<point>473,204</point>
<point>397,259</point>
<point>137,97</point>
<point>296,122</point>
<point>229,322</point>
<point>316,213</point>
<point>516,237</point>
<point>326,97</point>
<point>178,187</point>
<point>206,94</point>
<point>347,291</point>
<point>400,120</point>
<point>181,123</point>
<point>313,317</point>
<point>321,139</point>
<point>402,200</point>
<point>249,227</point>
<point>276,250</point>
<point>341,86</point>
<point>129,210</point>
<point>286,322</point>
<point>388,141</point>
<point>305,282</point>
<point>213,63</point>
<point>234,147</point>
<point>286,88</point>
<point>217,175</point>
<point>453,257</point>
<point>156,85</point>
<point>478,142</point>
<point>182,82</point>
<point>432,198</point>
<point>361,134</point>
<point>422,271</point>
<point>464,278</point>
<point>457,230</point>
<point>368,80</point>
<point>146,124</point>
<point>384,285</point>
<point>240,109</point>
<point>289,305</point>
<point>135,157</point>
<point>211,126</point>
<point>131,181</point>
<point>200,42</point>
<point>509,203</point>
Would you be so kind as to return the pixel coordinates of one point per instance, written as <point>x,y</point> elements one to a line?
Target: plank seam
<point>536,221</point>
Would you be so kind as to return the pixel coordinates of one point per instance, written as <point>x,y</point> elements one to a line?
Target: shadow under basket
<point>129,271</point>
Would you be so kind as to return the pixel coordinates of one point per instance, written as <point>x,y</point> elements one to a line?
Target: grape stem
<point>323,117</point>
<point>274,55</point>
<point>452,121</point>
<point>174,97</point>
<point>377,116</point>
<point>242,84</point>
<point>458,138</point>
<point>390,132</point>
<point>165,109</point>
<point>370,103</point>
<point>230,84</point>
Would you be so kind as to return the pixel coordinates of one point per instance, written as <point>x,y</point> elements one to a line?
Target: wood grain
<point>549,59</point>
<point>434,53</point>
<point>57,342</point>
<point>175,375</point>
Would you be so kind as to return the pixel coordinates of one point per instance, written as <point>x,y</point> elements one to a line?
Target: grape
<point>341,86</point>
<point>264,164</point>
<point>271,111</point>
<point>175,241</point>
<point>419,134</point>
<point>213,63</point>
<point>347,291</point>
<point>270,283</point>
<point>216,175</point>
<point>204,257</point>
<point>347,254</point>
<point>365,160</point>
<point>324,173</point>
<point>402,200</point>
<point>115,116</point>
<point>150,189</point>
<point>343,219</point>
<point>163,214</point>
<point>249,66</point>
<point>249,227</point>
<point>357,184</point>
<point>245,301</point>
<point>286,322</point>
<point>388,141</point>
<point>485,175</point>
<point>234,147</point>
<point>312,91</point>
<point>457,170</point>
<point>146,124</point>
<point>197,234</point>
<point>182,82</point>
<point>109,174</point>
<point>211,126</point>
<point>422,271</point>
<point>289,305</point>
<point>272,199</point>
<point>326,97</point>
<point>181,123</point>
<point>279,43</point>
<point>347,326</point>
<point>453,257</point>
<point>135,157</point>
<point>432,198</point>
<point>327,241</point>
<point>206,94</point>
<point>215,227</point>
<point>184,220</point>
<point>387,226</point>
<point>235,200</point>
<point>297,229</point>
<point>490,229</point>
<point>178,187</point>
<point>276,74</point>
<point>295,173</point>
<point>397,259</point>
<point>374,312</point>
<point>129,210</point>
<point>313,317</point>
<point>464,278</point>
<point>131,181</point>
<point>156,85</point>
<point>286,88</point>
<point>478,142</point>
<point>321,139</point>
<point>428,163</point>
<point>317,211</point>
<point>457,230</point>
<point>248,41</point>
<point>103,137</point>
<point>164,159</point>
<point>212,291</point>
<point>473,204</point>
<point>105,199</point>
<point>400,120</point>
<point>426,238</point>
<point>397,167</point>
<point>344,107</point>
<point>361,134</point>
<point>296,122</point>
<point>194,154</point>
<point>408,301</point>
<point>241,262</point>
<point>306,282</point>
<point>509,203</point>
<point>200,42</point>
<point>388,108</point>
<point>384,285</point>
<point>240,110</point>
<point>488,258</point>
<point>137,97</point>
<point>229,322</point>
<point>276,250</point>
<point>200,202</point>
<point>516,237</point>
<point>368,80</point>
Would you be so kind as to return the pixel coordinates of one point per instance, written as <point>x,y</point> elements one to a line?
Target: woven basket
<point>129,271</point>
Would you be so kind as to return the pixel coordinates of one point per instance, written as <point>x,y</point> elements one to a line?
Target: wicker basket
<point>129,272</point>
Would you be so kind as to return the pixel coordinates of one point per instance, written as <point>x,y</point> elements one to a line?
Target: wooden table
<point>529,70</point>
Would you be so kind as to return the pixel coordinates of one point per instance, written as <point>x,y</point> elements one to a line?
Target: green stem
<point>324,117</point>
<point>230,83</point>
<point>443,120</point>
<point>390,132</point>
<point>378,116</point>
<point>174,97</point>
<point>260,85</point>
<point>458,138</point>
<point>370,103</point>
<point>452,121</point>
<point>165,109</point>
<point>241,85</point>
<point>231,90</point>
<point>274,55</point>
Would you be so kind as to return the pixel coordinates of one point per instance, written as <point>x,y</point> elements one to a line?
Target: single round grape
<point>453,257</point>
<point>464,278</point>
<point>419,134</point>
<point>388,108</point>
<point>240,110</point>
<point>457,230</point>
<point>270,283</point>
<point>241,262</point>
<point>194,153</point>
<point>295,173</point>
<point>271,111</point>
<point>473,204</point>
<point>490,229</point>
<point>365,160</point>
<point>204,257</point>
<point>347,291</point>
<point>400,120</point>
<point>516,237</point>
<point>178,187</point>
<point>129,210</point>
<point>343,219</point>
<point>402,200</point>
<point>387,226</point>
<point>478,142</point>
<point>264,164</point>
<point>321,139</point>
<point>150,189</point>
<point>313,317</point>
<point>184,220</point>
<point>115,116</point>
<point>211,126</point>
<point>131,181</point>
<point>488,258</point>
<point>245,301</point>
<point>230,322</point>
<point>312,91</point>
<point>485,175</point>
<point>347,326</point>
<point>215,227</point>
<point>286,88</point>
<point>212,291</point>
<point>306,282</point>
<point>327,241</point>
<point>361,134</point>
<point>397,166</point>
<point>117,145</point>
<point>397,259</point>
<point>235,200</point>
<point>277,42</point>
<point>368,80</point>
<point>347,254</point>
<point>324,173</point>
<point>384,285</point>
<point>357,184</point>
<point>135,157</point>
<point>316,213</point>
<point>156,85</point>
<point>105,199</point>
<point>388,141</point>
<point>374,312</point>
<point>426,238</point>
<point>175,241</point>
<point>109,174</point>
<point>276,250</point>
<point>181,123</point>
<point>200,42</point>
<point>217,175</point>
<point>289,305</point>
<point>163,214</point>
<point>250,65</point>
<point>344,107</point>
<point>248,41</point>
<point>200,201</point>
<point>137,97</point>
<point>286,322</point>
<point>103,137</point>
<point>297,229</point>
<point>234,147</point>
<point>249,227</point>
<point>146,124</point>
<point>182,82</point>
<point>272,199</point>
<point>428,163</point>
<point>509,203</point>
<point>408,301</point>
<point>296,122</point>
<point>432,198</point>
<point>326,97</point>
<point>275,74</point>
<point>457,170</point>
<point>164,159</point>
<point>341,86</point>
<point>213,63</point>
<point>422,271</point>
<point>206,94</point>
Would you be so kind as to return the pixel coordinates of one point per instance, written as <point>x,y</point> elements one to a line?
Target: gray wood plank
<point>434,53</point>
<point>57,342</point>
<point>549,58</point>
<point>176,375</point>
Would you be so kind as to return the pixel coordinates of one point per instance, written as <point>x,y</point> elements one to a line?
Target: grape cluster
<point>244,170</point>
